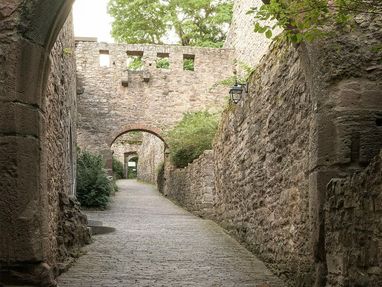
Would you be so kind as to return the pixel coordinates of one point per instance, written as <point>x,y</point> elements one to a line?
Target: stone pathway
<point>157,243</point>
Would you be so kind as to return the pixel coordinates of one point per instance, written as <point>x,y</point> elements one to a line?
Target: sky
<point>91,20</point>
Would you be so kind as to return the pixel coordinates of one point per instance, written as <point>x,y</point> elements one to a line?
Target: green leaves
<point>136,63</point>
<point>191,137</point>
<point>196,23</point>
<point>117,168</point>
<point>163,63</point>
<point>307,20</point>
<point>93,186</point>
<point>137,21</point>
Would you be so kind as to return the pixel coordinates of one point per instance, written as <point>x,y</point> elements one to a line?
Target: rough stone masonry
<point>313,113</point>
<point>113,99</point>
<point>41,226</point>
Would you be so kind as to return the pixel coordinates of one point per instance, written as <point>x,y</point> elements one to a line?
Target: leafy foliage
<point>246,72</point>
<point>93,186</point>
<point>163,63</point>
<point>136,63</point>
<point>132,170</point>
<point>117,168</point>
<point>306,20</point>
<point>196,23</point>
<point>132,173</point>
<point>188,65</point>
<point>160,177</point>
<point>191,136</point>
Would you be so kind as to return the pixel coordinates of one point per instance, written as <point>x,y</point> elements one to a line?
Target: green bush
<point>136,63</point>
<point>117,169</point>
<point>160,177</point>
<point>188,65</point>
<point>191,137</point>
<point>93,186</point>
<point>114,185</point>
<point>132,173</point>
<point>163,63</point>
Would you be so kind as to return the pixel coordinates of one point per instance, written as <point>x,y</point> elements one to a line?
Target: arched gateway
<point>29,30</point>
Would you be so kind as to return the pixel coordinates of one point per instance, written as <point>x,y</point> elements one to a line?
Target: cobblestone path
<point>157,243</point>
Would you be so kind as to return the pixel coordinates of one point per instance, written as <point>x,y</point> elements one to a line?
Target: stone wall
<point>67,226</point>
<point>44,224</point>
<point>193,186</point>
<point>150,157</point>
<point>147,147</point>
<point>313,113</point>
<point>249,47</point>
<point>126,144</point>
<point>152,99</point>
<point>353,222</point>
<point>261,165</point>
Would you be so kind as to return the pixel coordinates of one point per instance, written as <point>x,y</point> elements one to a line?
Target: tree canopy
<point>195,23</point>
<point>306,20</point>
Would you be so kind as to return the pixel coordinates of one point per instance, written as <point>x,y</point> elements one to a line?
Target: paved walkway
<point>157,243</point>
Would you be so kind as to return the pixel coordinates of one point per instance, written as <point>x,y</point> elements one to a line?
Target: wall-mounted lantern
<point>236,92</point>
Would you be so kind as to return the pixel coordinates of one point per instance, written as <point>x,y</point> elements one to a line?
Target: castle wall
<point>44,228</point>
<point>312,114</point>
<point>262,165</point>
<point>353,215</point>
<point>66,233</point>
<point>152,97</point>
<point>150,158</point>
<point>193,186</point>
<point>249,47</point>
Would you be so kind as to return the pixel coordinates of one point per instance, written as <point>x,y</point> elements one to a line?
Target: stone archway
<point>148,144</point>
<point>136,127</point>
<point>128,157</point>
<point>29,34</point>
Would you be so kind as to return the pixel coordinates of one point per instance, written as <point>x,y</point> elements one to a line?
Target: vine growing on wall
<point>307,20</point>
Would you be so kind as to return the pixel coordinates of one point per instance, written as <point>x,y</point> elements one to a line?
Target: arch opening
<point>141,152</point>
<point>137,128</point>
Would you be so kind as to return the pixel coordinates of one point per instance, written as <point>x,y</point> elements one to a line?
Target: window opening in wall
<point>188,62</point>
<point>134,60</point>
<point>163,61</point>
<point>104,58</point>
<point>132,166</point>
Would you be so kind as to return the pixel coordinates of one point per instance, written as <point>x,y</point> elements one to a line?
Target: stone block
<point>21,216</point>
<point>33,66</point>
<point>324,142</point>
<point>19,119</point>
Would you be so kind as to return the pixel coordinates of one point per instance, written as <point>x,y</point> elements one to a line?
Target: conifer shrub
<point>117,169</point>
<point>191,137</point>
<point>160,177</point>
<point>93,186</point>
